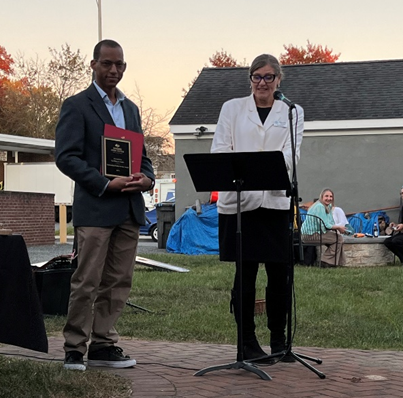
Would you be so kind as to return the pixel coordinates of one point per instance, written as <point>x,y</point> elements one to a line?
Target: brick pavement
<point>166,369</point>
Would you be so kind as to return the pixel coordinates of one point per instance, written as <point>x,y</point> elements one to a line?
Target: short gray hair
<point>266,59</point>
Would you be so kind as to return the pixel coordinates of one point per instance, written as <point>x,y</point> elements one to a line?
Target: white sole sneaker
<point>112,364</point>
<point>74,366</point>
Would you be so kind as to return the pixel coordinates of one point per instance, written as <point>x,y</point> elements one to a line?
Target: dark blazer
<point>78,155</point>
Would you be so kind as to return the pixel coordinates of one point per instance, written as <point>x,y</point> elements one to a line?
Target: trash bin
<point>53,286</point>
<point>165,220</point>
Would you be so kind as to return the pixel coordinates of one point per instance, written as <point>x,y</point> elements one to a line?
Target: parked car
<point>151,225</point>
<point>151,222</point>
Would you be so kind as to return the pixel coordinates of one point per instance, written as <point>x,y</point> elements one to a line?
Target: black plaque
<point>116,157</point>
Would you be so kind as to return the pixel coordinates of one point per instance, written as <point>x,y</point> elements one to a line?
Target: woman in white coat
<point>251,124</point>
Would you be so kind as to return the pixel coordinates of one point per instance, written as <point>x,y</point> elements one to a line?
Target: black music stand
<point>238,171</point>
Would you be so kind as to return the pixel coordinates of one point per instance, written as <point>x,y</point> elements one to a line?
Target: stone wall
<point>30,214</point>
<point>366,252</point>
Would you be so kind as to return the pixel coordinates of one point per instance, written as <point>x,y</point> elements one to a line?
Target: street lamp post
<point>99,4</point>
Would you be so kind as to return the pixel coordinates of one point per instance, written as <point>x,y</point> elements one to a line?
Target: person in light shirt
<point>331,233</point>
<point>107,212</point>
<point>251,124</point>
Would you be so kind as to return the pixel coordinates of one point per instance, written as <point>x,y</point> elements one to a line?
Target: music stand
<point>238,171</point>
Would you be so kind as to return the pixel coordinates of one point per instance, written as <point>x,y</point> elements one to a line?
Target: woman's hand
<point>341,228</point>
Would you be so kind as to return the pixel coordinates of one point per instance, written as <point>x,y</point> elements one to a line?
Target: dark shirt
<point>263,113</point>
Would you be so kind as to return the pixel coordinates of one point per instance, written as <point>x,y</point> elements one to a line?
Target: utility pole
<point>99,4</point>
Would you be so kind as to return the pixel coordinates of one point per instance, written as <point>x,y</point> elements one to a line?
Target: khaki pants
<point>100,286</point>
<point>334,253</point>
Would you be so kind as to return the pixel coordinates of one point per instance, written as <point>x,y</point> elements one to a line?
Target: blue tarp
<point>195,234</point>
<point>358,221</point>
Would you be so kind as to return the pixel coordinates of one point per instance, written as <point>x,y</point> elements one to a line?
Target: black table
<point>21,318</point>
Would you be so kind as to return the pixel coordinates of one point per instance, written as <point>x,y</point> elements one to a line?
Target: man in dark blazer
<point>107,212</point>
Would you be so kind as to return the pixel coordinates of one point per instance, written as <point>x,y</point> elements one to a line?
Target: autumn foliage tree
<point>312,54</point>
<point>6,70</point>
<point>32,94</point>
<point>220,59</point>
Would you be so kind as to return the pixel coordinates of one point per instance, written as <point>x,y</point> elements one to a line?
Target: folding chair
<point>312,232</point>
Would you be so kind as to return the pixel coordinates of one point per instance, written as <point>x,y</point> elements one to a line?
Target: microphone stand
<point>294,212</point>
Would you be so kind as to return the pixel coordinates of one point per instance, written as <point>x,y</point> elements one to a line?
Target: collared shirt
<point>116,109</point>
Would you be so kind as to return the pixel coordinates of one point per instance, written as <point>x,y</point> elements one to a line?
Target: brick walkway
<point>167,369</point>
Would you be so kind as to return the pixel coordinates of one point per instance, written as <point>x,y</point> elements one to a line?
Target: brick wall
<point>30,214</point>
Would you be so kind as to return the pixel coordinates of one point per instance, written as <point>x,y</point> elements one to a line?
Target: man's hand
<point>137,182</point>
<point>399,227</point>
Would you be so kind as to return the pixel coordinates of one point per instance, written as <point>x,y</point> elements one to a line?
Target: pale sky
<point>166,42</point>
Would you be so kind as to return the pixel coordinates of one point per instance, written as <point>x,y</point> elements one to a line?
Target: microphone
<point>278,95</point>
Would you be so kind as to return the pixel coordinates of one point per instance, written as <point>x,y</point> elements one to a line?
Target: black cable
<point>62,360</point>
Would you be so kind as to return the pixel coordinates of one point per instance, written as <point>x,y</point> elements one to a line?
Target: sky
<point>166,42</point>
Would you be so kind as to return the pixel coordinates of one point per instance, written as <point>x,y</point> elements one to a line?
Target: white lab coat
<point>239,129</point>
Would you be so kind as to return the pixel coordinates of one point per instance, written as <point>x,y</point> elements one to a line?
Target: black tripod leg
<point>137,306</point>
<point>236,365</point>
<point>317,360</point>
<point>306,364</point>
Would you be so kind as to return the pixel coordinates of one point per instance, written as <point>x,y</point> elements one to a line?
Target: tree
<point>312,54</point>
<point>6,63</point>
<point>32,99</point>
<point>6,69</point>
<point>68,72</point>
<point>28,110</point>
<point>157,138</point>
<point>220,59</point>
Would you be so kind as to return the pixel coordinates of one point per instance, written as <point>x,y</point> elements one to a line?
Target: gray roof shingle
<point>334,91</point>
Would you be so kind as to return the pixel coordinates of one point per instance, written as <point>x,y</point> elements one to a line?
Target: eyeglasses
<point>269,78</point>
<point>120,66</point>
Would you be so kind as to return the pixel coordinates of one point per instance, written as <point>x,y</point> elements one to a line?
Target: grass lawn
<point>343,307</point>
<point>358,308</point>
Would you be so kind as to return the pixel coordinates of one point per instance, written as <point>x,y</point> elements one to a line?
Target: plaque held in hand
<point>122,152</point>
<point>116,157</point>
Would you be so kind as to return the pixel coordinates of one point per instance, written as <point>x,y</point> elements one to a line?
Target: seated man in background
<point>383,226</point>
<point>395,242</point>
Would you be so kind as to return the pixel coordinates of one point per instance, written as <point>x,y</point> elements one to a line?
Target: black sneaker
<point>73,360</point>
<point>111,356</point>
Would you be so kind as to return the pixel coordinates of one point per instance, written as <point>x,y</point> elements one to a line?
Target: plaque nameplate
<point>136,143</point>
<point>116,157</point>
